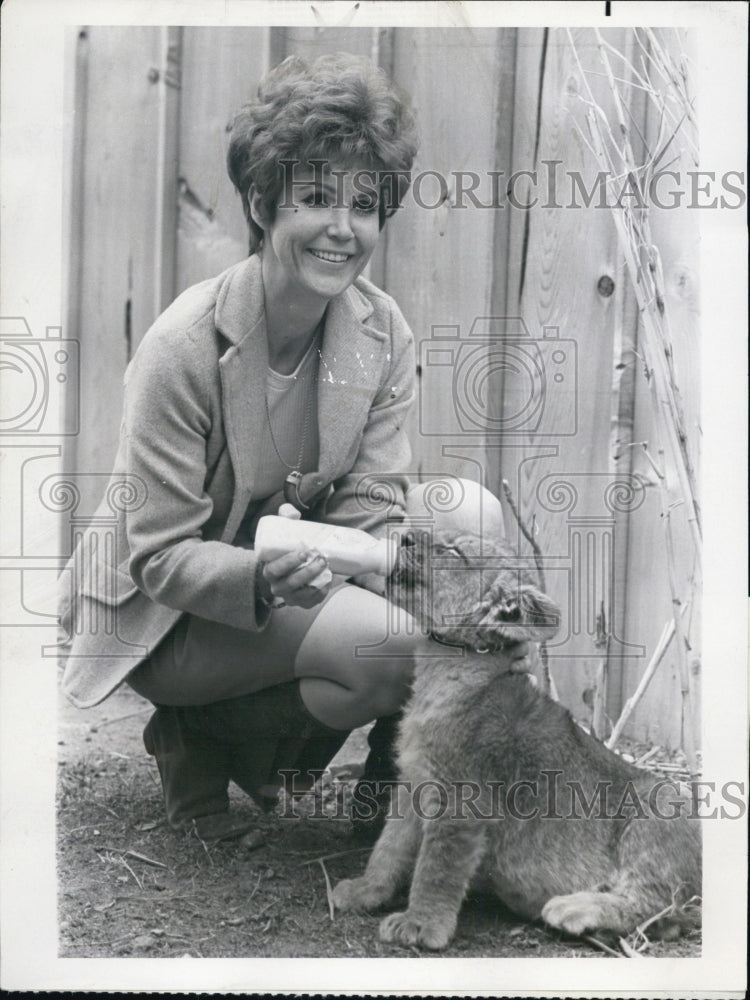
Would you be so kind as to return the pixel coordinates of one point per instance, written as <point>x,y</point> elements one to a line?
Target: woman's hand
<point>300,579</point>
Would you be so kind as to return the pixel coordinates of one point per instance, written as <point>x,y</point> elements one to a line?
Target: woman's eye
<point>366,206</point>
<point>316,199</point>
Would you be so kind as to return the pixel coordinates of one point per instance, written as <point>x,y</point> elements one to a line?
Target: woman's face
<point>325,231</point>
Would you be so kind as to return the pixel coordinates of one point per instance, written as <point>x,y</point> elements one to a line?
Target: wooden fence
<point>524,317</point>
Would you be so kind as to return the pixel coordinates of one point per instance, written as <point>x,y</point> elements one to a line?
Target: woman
<point>282,384</point>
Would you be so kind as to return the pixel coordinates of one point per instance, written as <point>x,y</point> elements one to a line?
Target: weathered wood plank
<point>116,168</point>
<point>561,274</point>
<point>440,263</point>
<point>659,716</point>
<point>221,69</point>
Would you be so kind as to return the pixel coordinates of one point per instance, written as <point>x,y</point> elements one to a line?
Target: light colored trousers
<point>352,653</point>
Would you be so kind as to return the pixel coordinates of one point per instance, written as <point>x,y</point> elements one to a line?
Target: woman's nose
<point>340,224</point>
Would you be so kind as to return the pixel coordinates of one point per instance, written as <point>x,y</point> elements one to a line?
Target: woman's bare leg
<point>355,662</point>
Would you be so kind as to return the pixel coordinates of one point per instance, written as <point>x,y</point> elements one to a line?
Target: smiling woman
<point>280,386</point>
<point>315,246</point>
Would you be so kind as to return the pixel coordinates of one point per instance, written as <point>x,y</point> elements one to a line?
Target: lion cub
<point>500,789</point>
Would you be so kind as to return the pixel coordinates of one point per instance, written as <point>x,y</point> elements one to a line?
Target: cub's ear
<point>517,611</point>
<point>539,613</point>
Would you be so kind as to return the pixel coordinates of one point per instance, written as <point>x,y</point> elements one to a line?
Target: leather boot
<point>248,740</point>
<point>195,774</point>
<point>285,737</point>
<point>372,793</point>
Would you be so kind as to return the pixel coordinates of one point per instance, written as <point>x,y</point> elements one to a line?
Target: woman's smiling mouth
<point>331,256</point>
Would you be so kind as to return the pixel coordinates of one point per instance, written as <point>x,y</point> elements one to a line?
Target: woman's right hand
<point>300,579</point>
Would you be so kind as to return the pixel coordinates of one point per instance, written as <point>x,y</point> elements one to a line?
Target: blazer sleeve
<point>373,491</point>
<point>171,401</point>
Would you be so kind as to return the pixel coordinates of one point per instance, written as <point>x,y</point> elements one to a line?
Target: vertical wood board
<point>117,242</point>
<point>440,265</point>
<point>674,230</point>
<point>556,451</point>
<point>221,69</point>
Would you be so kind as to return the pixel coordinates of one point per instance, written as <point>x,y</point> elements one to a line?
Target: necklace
<point>305,428</point>
<point>294,476</point>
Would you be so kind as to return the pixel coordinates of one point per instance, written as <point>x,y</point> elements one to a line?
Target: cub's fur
<point>504,791</point>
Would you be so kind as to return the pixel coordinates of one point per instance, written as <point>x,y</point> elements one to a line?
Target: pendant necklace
<point>294,476</point>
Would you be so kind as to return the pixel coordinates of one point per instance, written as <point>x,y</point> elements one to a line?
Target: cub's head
<point>471,591</point>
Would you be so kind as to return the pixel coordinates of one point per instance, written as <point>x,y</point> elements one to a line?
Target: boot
<point>195,774</point>
<point>285,737</point>
<point>372,793</point>
<point>248,740</point>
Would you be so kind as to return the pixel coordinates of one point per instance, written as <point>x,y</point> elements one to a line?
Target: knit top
<point>293,428</point>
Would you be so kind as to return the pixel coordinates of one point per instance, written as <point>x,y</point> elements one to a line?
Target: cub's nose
<point>510,612</point>
<point>517,650</point>
<point>408,539</point>
<point>518,654</point>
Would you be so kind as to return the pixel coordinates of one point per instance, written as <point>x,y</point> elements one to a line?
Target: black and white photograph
<point>374,514</point>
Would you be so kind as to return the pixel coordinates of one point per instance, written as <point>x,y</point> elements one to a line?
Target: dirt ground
<point>129,886</point>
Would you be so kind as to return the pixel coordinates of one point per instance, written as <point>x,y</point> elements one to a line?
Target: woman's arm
<point>172,406</point>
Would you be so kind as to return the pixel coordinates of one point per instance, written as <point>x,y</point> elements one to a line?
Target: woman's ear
<point>257,209</point>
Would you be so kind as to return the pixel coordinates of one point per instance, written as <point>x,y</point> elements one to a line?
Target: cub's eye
<point>451,550</point>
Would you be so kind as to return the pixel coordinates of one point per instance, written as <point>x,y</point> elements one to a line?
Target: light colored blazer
<point>194,407</point>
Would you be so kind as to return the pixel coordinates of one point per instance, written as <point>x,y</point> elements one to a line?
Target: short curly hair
<point>341,109</point>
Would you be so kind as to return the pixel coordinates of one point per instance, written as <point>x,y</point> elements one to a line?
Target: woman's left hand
<point>300,579</point>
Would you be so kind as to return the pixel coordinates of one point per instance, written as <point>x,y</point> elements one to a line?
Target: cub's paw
<point>359,894</point>
<point>402,928</point>
<point>577,913</point>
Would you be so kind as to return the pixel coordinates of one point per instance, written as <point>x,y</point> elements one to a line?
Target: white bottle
<point>349,551</point>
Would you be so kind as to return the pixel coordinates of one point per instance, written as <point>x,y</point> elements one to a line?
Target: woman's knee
<point>385,682</point>
<point>360,641</point>
<point>451,503</point>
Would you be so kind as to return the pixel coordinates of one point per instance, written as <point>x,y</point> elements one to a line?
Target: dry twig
<point>329,890</point>
<point>632,702</point>
<point>614,155</point>
<point>338,854</point>
<point>600,945</point>
<point>629,950</point>
<point>126,852</point>
<point>137,880</point>
<point>529,535</point>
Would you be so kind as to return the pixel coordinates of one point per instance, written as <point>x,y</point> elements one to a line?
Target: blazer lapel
<point>350,373</point>
<point>243,366</point>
